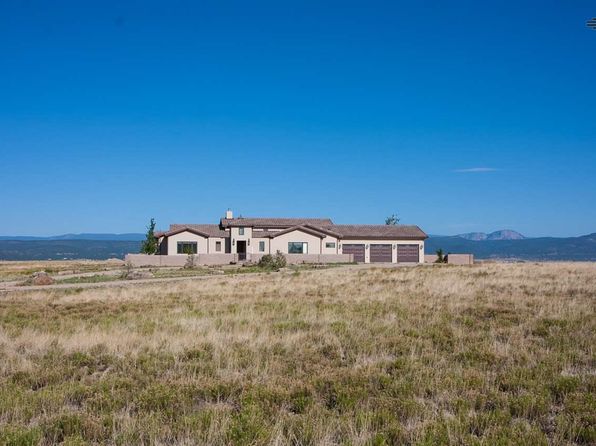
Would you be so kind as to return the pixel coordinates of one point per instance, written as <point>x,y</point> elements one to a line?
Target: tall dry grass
<point>15,270</point>
<point>498,353</point>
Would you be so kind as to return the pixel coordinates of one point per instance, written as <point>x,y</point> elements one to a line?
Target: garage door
<point>380,253</point>
<point>407,253</point>
<point>357,250</point>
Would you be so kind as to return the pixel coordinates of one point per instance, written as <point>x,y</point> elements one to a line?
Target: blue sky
<point>475,116</point>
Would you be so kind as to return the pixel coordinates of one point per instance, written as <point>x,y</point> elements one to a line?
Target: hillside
<point>66,249</point>
<point>541,248</point>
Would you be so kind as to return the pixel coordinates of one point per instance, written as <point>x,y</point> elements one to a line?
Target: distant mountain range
<point>504,234</point>
<point>505,245</point>
<point>539,248</point>
<point>84,236</point>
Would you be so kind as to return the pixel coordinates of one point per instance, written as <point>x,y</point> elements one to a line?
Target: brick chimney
<point>229,214</point>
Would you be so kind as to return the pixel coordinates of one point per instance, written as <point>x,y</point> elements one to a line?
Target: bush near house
<point>276,261</point>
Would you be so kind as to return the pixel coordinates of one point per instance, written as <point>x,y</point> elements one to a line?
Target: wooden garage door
<point>407,253</point>
<point>357,250</point>
<point>380,253</point>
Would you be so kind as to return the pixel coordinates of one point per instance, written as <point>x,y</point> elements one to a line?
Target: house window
<point>187,247</point>
<point>240,231</point>
<point>330,245</point>
<point>261,246</point>
<point>218,246</point>
<point>297,248</point>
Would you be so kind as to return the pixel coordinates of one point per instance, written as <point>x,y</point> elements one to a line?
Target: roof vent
<point>229,214</point>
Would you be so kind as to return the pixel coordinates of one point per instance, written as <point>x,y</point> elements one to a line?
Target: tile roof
<point>303,228</point>
<point>211,230</point>
<point>393,232</point>
<point>273,222</point>
<point>264,234</point>
<point>316,226</point>
<point>318,231</point>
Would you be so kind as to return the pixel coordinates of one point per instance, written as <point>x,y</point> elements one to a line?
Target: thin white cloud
<point>476,170</point>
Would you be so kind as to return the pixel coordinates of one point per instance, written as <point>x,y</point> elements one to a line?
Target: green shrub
<point>266,262</point>
<point>276,261</point>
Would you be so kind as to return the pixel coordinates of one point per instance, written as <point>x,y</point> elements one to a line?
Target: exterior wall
<point>369,242</point>
<point>254,246</point>
<point>225,259</point>
<point>329,239</point>
<point>280,243</point>
<point>460,259</point>
<point>180,260</point>
<point>316,245</point>
<point>235,236</point>
<point>212,241</point>
<point>311,258</point>
<point>430,258</point>
<point>186,237</point>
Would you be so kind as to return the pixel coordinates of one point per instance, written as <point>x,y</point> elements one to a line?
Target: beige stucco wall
<point>329,239</point>
<point>460,259</point>
<point>254,246</point>
<point>430,258</point>
<point>310,258</point>
<point>369,242</point>
<point>315,246</point>
<point>138,260</point>
<point>280,243</point>
<point>235,236</point>
<point>213,241</point>
<point>186,237</point>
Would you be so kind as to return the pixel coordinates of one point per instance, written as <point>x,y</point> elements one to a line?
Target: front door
<point>241,249</point>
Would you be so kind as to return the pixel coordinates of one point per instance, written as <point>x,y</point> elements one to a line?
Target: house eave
<point>383,237</point>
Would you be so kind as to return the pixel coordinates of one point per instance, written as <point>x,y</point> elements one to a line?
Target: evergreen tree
<point>392,220</point>
<point>149,246</point>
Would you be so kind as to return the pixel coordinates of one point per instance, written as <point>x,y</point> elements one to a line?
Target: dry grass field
<point>10,270</point>
<point>490,354</point>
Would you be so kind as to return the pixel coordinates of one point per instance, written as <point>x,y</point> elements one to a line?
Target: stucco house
<point>299,239</point>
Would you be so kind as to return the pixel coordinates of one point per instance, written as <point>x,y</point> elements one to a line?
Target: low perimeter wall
<point>430,258</point>
<point>226,259</point>
<point>452,259</point>
<point>310,258</point>
<point>200,259</point>
<point>460,259</point>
